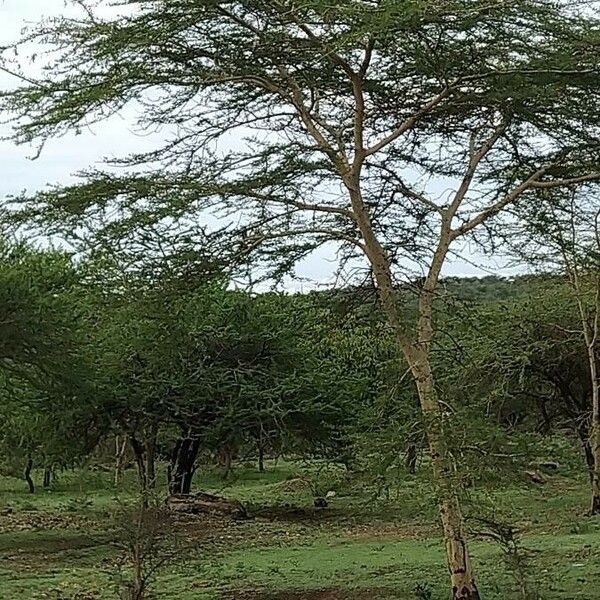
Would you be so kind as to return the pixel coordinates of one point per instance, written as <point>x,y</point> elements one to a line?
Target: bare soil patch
<point>321,594</point>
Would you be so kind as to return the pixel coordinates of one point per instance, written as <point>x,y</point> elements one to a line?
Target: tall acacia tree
<point>393,128</point>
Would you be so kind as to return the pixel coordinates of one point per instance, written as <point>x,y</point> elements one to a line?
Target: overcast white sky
<point>63,158</point>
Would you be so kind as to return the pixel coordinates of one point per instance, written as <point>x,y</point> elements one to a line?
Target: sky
<point>61,159</point>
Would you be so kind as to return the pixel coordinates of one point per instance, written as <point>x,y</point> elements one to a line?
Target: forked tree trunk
<point>145,458</point>
<point>182,465</point>
<point>416,352</point>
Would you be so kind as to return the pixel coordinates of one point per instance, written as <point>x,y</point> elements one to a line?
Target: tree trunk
<point>27,475</point>
<point>590,322</point>
<point>226,459</point>
<point>150,447</point>
<point>145,458</point>
<point>47,477</point>
<point>120,450</point>
<point>595,448</point>
<point>139,454</point>
<point>182,465</point>
<point>459,563</point>
<point>417,354</point>
<point>138,585</point>
<point>411,458</point>
<point>595,425</point>
<point>261,458</point>
<point>583,432</point>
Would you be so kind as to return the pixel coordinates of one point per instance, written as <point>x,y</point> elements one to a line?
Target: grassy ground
<point>59,544</point>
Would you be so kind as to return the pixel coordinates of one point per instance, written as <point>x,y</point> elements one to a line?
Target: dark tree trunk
<point>261,457</point>
<point>595,507</point>
<point>411,458</point>
<point>139,454</point>
<point>27,475</point>
<point>150,448</point>
<point>584,436</point>
<point>182,466</point>
<point>47,477</point>
<point>226,459</point>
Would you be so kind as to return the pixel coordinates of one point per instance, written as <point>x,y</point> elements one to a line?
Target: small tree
<point>144,532</point>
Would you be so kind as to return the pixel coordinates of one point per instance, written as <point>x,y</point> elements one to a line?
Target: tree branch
<point>495,208</point>
<point>474,160</point>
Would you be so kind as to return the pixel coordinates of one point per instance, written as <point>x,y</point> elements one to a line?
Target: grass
<point>57,544</point>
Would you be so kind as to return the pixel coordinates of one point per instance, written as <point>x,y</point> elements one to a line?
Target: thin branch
<point>21,77</point>
<point>474,160</point>
<point>495,208</point>
<point>547,185</point>
<point>409,123</point>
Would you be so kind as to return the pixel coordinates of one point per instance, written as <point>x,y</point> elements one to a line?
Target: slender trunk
<point>459,563</point>
<point>150,447</point>
<point>416,353</point>
<point>139,454</point>
<point>120,450</point>
<point>261,457</point>
<point>138,587</point>
<point>27,475</point>
<point>182,466</point>
<point>595,424</point>
<point>583,432</point>
<point>411,458</point>
<point>226,460</point>
<point>595,446</point>
<point>47,477</point>
<point>590,321</point>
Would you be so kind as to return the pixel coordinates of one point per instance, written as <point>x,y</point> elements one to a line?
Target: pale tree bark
<point>590,329</point>
<point>417,354</point>
<point>595,440</point>
<point>459,563</point>
<point>416,348</point>
<point>120,451</point>
<point>415,345</point>
<point>590,334</point>
<point>591,343</point>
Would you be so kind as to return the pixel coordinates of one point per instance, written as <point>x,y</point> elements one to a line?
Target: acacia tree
<point>46,419</point>
<point>563,234</point>
<point>189,369</point>
<point>533,353</point>
<point>283,381</point>
<point>393,128</point>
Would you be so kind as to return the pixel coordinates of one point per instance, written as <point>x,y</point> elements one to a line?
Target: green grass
<point>57,545</point>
